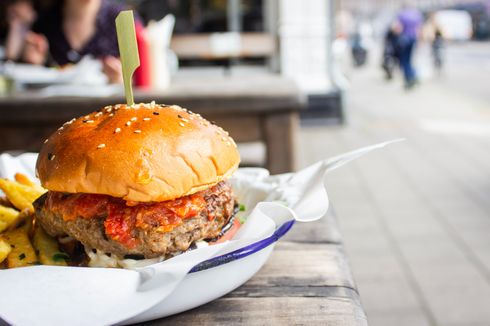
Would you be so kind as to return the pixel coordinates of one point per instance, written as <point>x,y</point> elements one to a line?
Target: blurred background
<point>415,217</point>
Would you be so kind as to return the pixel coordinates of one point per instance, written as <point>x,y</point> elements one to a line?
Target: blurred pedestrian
<point>358,50</point>
<point>391,50</point>
<point>437,46</point>
<point>410,20</point>
<point>72,29</point>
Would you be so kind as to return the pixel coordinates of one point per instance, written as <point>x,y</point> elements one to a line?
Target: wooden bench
<point>261,107</point>
<point>213,46</point>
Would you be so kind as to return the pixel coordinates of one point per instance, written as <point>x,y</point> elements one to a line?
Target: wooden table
<point>261,107</point>
<point>307,281</point>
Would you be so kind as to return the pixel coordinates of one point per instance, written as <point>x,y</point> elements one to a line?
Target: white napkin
<point>48,295</point>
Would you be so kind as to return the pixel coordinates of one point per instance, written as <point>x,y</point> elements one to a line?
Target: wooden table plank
<point>306,281</point>
<point>303,284</point>
<point>332,311</point>
<point>305,264</point>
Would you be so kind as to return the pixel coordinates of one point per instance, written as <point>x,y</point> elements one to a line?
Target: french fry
<point>5,249</point>
<point>22,253</point>
<point>8,216</point>
<point>23,179</point>
<point>47,248</point>
<point>21,196</point>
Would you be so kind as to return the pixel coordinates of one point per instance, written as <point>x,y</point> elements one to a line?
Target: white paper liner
<point>48,295</point>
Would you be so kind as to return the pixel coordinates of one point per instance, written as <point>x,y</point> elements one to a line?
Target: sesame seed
<point>179,116</point>
<point>184,120</point>
<point>46,140</point>
<point>87,116</point>
<point>111,115</point>
<point>88,121</point>
<point>152,104</point>
<point>60,128</point>
<point>223,138</point>
<point>228,143</point>
<point>51,156</point>
<point>118,106</point>
<point>98,114</point>
<point>181,124</point>
<point>146,119</point>
<point>117,130</point>
<point>101,146</point>
<point>134,119</point>
<point>109,109</point>
<point>137,131</point>
<point>128,123</point>
<point>155,113</point>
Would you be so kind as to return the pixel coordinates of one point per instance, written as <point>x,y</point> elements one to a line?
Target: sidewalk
<point>415,217</point>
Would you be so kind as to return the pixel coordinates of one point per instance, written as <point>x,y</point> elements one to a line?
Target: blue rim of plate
<point>245,251</point>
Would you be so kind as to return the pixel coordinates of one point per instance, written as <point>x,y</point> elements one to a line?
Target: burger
<point>139,181</point>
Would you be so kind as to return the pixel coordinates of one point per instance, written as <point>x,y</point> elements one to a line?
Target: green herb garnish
<point>61,256</point>
<point>242,208</point>
<point>22,256</point>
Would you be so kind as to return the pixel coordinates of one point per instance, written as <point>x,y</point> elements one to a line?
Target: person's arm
<point>111,67</point>
<point>35,49</point>
<point>20,17</point>
<point>15,40</point>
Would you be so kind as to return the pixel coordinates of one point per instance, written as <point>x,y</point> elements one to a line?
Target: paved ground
<point>416,217</point>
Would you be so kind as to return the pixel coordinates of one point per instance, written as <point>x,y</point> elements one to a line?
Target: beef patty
<point>151,230</point>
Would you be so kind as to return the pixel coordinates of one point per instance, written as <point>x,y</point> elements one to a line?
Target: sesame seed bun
<point>143,153</point>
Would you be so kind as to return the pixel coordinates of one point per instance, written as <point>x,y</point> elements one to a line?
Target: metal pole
<point>234,18</point>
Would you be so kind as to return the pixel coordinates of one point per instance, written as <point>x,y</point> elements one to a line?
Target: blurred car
<point>454,24</point>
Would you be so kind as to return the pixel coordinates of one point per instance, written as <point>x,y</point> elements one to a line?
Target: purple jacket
<point>411,20</point>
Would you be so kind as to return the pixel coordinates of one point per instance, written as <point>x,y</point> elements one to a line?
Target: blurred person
<point>72,29</point>
<point>410,20</point>
<point>391,49</point>
<point>359,41</point>
<point>19,16</point>
<point>437,45</point>
<point>358,50</point>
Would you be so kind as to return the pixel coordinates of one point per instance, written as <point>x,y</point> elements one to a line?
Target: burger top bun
<point>143,153</point>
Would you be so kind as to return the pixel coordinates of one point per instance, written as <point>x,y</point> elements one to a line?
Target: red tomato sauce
<point>122,219</point>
